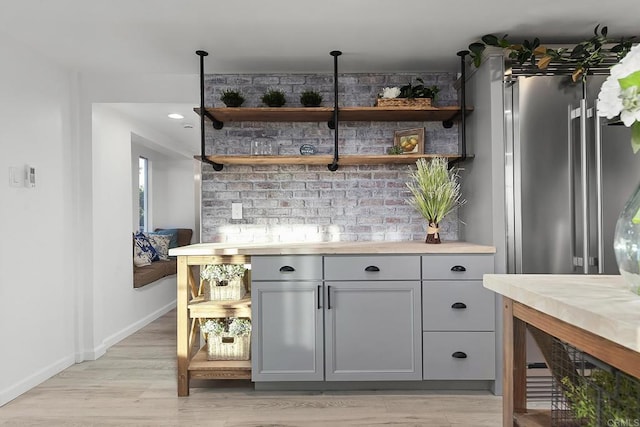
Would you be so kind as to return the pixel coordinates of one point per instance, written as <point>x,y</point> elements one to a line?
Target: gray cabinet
<point>287,337</point>
<point>372,319</point>
<point>458,318</point>
<point>337,330</point>
<point>372,331</point>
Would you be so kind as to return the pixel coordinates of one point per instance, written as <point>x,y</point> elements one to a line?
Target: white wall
<point>66,290</point>
<point>38,245</point>
<point>120,308</point>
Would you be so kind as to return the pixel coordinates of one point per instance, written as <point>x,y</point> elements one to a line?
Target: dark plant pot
<point>275,105</point>
<point>233,104</point>
<point>311,105</point>
<point>433,233</point>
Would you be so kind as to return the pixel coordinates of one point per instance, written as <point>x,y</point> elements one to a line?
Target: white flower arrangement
<point>390,92</point>
<point>236,327</point>
<point>620,94</point>
<point>222,272</point>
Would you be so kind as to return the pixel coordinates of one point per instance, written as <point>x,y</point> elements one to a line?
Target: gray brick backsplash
<point>309,203</point>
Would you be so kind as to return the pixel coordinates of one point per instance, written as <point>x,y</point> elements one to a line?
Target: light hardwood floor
<point>134,384</point>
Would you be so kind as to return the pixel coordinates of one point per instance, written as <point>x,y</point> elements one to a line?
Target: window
<point>143,192</point>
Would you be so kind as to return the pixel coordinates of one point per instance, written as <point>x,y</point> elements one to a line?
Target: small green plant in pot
<point>232,98</point>
<point>419,91</point>
<point>435,192</point>
<point>310,98</point>
<point>274,98</point>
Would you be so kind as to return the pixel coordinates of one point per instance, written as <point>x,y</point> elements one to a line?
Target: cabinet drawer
<point>461,267</point>
<point>372,267</point>
<point>457,306</point>
<point>286,267</point>
<point>458,355</point>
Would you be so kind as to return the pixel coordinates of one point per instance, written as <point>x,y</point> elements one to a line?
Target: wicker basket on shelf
<point>404,102</point>
<point>228,348</point>
<point>224,290</point>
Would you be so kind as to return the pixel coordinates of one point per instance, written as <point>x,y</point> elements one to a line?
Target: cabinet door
<point>287,331</point>
<point>372,331</point>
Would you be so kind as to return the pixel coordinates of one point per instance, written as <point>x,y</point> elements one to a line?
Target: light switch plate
<point>16,177</point>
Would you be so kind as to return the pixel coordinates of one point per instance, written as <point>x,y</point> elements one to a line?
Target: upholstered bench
<point>161,268</point>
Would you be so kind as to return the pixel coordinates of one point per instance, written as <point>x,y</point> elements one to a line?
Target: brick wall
<point>311,203</point>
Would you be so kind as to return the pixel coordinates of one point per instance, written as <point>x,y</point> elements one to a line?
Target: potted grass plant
<point>310,98</point>
<point>435,193</point>
<point>232,98</point>
<point>274,98</point>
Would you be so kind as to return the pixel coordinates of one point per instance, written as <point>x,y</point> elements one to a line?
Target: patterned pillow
<point>142,241</point>
<point>160,243</point>
<point>140,257</point>
<point>173,232</point>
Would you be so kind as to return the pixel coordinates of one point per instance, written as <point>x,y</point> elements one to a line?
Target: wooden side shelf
<point>198,308</point>
<point>345,160</point>
<point>325,114</point>
<point>201,368</point>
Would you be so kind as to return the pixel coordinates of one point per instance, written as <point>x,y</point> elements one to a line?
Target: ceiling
<point>293,36</point>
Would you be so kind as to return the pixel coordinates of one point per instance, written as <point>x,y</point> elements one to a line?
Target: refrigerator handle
<point>572,187</point>
<point>584,178</point>
<point>599,202</point>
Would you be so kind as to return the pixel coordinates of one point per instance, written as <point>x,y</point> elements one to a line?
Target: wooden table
<point>596,314</point>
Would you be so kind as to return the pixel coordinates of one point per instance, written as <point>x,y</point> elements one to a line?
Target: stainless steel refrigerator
<point>569,174</point>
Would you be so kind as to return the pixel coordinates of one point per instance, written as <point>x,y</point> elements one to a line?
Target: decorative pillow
<point>173,232</point>
<point>142,241</point>
<point>140,257</point>
<point>160,243</point>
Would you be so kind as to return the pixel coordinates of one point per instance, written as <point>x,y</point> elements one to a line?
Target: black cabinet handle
<point>286,268</point>
<point>458,268</point>
<point>319,296</point>
<point>459,355</point>
<point>328,297</point>
<point>372,268</point>
<point>459,305</point>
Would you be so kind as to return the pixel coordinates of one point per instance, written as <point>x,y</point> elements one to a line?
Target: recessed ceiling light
<point>176,116</point>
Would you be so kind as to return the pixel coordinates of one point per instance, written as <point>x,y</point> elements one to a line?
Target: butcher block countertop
<point>331,248</point>
<point>603,305</point>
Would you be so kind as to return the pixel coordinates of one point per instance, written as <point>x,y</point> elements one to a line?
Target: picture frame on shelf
<point>411,141</point>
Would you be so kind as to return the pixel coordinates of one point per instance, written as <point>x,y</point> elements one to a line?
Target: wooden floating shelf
<point>199,308</point>
<point>325,114</point>
<point>344,160</point>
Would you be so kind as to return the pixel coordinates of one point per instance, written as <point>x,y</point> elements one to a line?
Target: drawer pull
<point>459,305</point>
<point>319,295</point>
<point>458,268</point>
<point>286,268</point>
<point>372,268</point>
<point>328,297</point>
<point>459,355</point>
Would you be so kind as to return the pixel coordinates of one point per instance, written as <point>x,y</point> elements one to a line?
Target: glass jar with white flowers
<point>223,282</point>
<point>620,96</point>
<point>227,339</point>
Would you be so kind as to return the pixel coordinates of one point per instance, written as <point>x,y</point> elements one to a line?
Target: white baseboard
<point>134,327</point>
<point>10,393</point>
<point>44,374</point>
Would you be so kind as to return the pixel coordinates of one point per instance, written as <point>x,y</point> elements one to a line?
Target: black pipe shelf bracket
<point>463,111</point>
<point>334,123</point>
<point>204,114</point>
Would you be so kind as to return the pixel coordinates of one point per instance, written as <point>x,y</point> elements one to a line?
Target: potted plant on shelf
<point>223,281</point>
<point>232,98</point>
<point>435,192</point>
<point>274,98</point>
<point>227,339</point>
<point>310,98</point>
<point>409,95</point>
